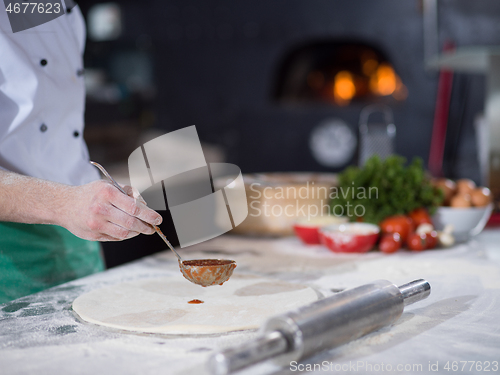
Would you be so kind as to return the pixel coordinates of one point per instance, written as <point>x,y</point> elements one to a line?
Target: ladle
<point>204,272</point>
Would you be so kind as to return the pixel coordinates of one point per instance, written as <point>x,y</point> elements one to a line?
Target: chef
<point>53,207</point>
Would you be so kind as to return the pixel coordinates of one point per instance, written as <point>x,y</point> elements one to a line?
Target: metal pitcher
<point>376,138</point>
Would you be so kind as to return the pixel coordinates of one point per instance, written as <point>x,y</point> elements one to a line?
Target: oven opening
<point>337,73</point>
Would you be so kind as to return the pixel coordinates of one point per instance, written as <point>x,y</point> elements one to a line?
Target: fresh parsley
<point>386,188</point>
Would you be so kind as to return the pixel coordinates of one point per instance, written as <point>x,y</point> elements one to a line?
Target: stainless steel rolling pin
<point>324,324</point>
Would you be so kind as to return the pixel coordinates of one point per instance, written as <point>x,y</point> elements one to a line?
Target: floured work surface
<point>457,322</point>
<point>161,305</point>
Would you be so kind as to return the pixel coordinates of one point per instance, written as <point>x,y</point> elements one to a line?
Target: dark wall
<point>216,64</point>
<point>222,81</point>
<point>217,61</point>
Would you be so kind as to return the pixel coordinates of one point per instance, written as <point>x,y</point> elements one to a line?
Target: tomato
<point>390,243</point>
<point>417,241</point>
<point>420,216</point>
<point>397,224</point>
<point>432,239</point>
<point>422,241</point>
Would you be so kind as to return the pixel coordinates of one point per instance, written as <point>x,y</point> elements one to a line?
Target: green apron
<point>34,257</point>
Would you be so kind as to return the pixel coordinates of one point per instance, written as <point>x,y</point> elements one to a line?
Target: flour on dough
<point>161,305</point>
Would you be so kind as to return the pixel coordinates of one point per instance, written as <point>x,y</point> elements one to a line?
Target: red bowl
<point>308,235</point>
<point>308,230</point>
<point>349,238</point>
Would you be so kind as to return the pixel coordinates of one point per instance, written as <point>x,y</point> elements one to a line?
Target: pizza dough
<point>161,305</point>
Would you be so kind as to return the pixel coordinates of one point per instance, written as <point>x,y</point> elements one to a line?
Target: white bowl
<point>467,222</point>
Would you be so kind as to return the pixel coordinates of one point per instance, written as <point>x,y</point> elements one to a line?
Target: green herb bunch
<point>385,188</point>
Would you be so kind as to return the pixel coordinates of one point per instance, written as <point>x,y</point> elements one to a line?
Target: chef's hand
<point>100,212</point>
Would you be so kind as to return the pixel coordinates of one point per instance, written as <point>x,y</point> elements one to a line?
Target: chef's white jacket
<point>42,98</point>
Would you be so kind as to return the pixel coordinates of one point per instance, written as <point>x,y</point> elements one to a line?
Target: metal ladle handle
<point>115,184</point>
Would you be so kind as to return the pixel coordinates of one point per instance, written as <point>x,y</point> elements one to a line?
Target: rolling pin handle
<point>415,291</point>
<point>262,348</point>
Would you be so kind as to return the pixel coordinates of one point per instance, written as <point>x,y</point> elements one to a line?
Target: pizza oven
<point>336,73</point>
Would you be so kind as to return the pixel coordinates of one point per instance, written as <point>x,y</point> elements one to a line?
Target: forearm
<point>31,200</point>
<point>96,211</point>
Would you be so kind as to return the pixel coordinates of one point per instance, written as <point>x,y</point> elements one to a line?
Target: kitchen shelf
<point>473,59</point>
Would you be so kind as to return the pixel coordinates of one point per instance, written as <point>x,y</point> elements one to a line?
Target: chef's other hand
<point>98,211</point>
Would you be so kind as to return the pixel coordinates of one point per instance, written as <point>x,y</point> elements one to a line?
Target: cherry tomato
<point>420,216</point>
<point>397,224</point>
<point>432,239</point>
<point>417,241</point>
<point>390,243</point>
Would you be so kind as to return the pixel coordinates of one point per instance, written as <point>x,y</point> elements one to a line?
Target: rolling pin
<point>324,324</point>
